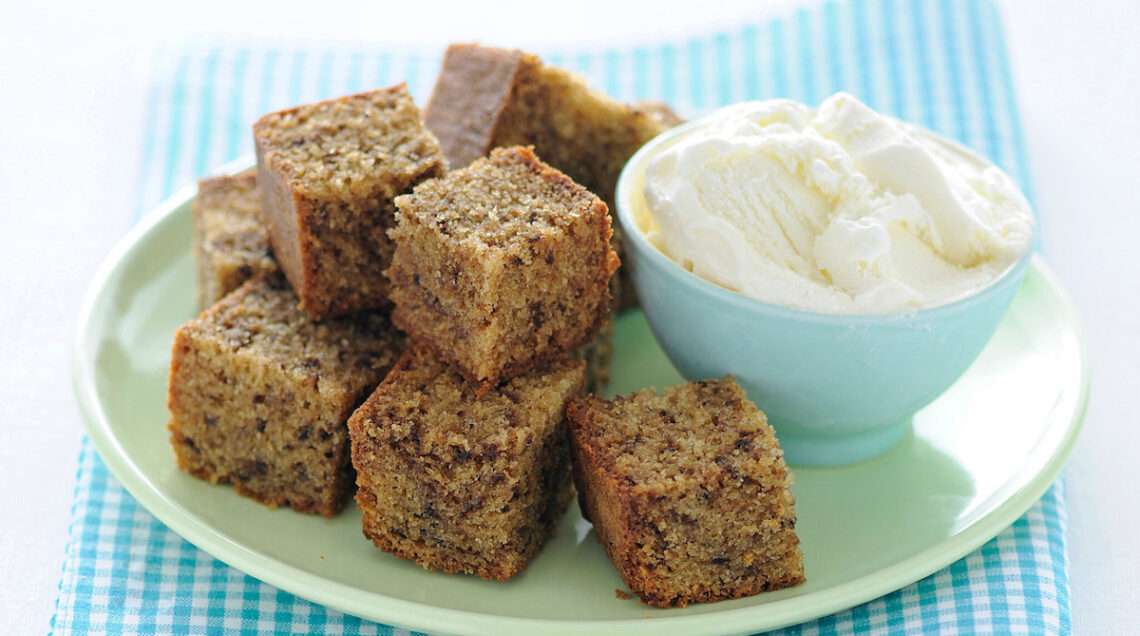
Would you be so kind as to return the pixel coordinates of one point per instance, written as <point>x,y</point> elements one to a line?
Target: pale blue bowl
<point>838,389</point>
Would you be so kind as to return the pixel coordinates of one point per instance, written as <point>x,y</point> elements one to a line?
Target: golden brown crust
<point>688,492</point>
<point>284,230</point>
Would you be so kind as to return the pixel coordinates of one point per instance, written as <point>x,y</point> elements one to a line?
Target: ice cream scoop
<point>838,209</point>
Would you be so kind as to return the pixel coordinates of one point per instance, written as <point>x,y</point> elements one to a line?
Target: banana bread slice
<point>259,395</point>
<point>328,173</point>
<point>502,266</point>
<point>688,492</point>
<point>458,482</point>
<point>230,244</point>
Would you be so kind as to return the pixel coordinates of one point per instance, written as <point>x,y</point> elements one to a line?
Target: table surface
<point>73,78</point>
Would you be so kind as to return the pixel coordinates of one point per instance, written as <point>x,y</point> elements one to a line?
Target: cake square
<point>502,266</point>
<point>328,173</point>
<point>688,492</point>
<point>259,395</point>
<point>462,483</point>
<point>488,97</point>
<point>230,244</point>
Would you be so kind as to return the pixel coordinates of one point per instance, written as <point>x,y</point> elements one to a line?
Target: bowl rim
<point>1011,276</point>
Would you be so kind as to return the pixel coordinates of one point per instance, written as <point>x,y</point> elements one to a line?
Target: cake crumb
<point>622,594</point>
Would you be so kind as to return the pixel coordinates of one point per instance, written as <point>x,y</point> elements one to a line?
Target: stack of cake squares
<point>262,383</point>
<point>428,337</point>
<point>501,270</point>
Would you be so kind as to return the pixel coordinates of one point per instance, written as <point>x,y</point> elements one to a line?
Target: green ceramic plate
<point>978,458</point>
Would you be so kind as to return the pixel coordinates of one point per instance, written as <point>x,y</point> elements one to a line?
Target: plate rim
<point>1032,482</point>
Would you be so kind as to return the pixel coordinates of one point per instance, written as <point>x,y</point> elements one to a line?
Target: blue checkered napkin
<point>940,63</point>
<point>128,573</point>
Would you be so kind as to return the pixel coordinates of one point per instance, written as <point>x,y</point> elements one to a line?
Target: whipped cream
<point>833,210</point>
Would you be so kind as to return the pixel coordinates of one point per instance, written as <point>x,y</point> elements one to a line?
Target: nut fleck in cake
<point>688,492</point>
<point>501,266</point>
<point>259,395</point>
<point>462,483</point>
<point>488,97</point>
<point>328,173</point>
<point>230,244</point>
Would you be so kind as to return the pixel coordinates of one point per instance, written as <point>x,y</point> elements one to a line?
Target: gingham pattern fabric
<point>939,63</point>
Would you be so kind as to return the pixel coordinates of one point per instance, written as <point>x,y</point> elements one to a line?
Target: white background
<point>72,80</point>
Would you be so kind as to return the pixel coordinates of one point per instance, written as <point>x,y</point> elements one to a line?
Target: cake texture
<point>488,97</point>
<point>688,492</point>
<point>230,244</point>
<point>598,354</point>
<point>462,483</point>
<point>328,173</point>
<point>502,266</point>
<point>260,393</point>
